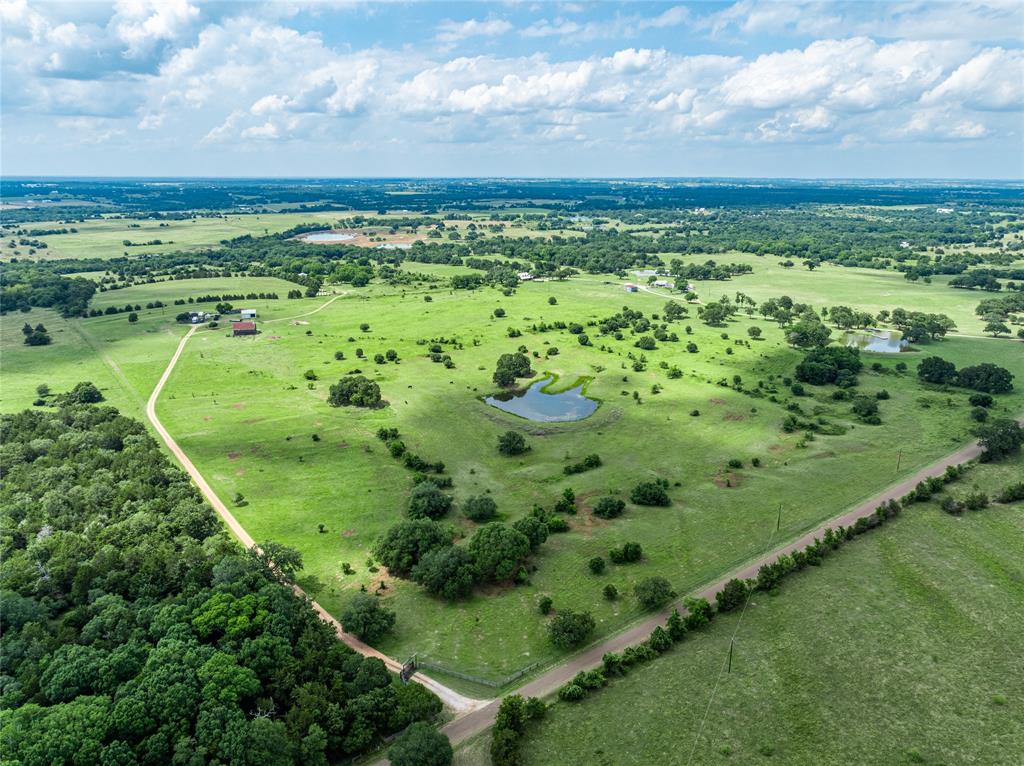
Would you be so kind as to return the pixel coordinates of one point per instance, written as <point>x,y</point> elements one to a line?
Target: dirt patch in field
<point>343,445</point>
<point>776,448</point>
<point>273,337</point>
<point>251,421</point>
<point>349,533</point>
<point>727,480</point>
<point>734,416</point>
<point>234,455</point>
<point>240,472</point>
<point>299,321</point>
<point>207,418</point>
<point>716,401</point>
<point>825,454</point>
<point>238,406</point>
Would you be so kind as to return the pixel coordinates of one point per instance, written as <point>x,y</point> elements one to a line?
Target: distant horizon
<point>500,177</point>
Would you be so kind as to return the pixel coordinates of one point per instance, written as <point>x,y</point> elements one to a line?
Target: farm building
<point>662,283</point>
<point>243,328</point>
<point>248,313</point>
<point>525,276</point>
<point>629,287</point>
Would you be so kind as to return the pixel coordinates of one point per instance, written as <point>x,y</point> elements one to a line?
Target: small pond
<point>534,404</point>
<point>328,236</point>
<point>879,341</point>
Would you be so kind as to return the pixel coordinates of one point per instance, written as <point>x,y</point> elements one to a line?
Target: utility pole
<point>899,459</point>
<point>731,642</point>
<point>778,521</point>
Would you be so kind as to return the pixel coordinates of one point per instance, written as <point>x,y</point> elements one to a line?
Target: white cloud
<point>141,23</point>
<point>455,31</point>
<point>994,79</point>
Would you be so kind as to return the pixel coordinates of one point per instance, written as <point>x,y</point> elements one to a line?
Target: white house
<point>525,276</point>
<point>662,283</point>
<point>248,313</point>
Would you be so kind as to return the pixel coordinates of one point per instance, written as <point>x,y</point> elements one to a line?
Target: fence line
<point>427,665</point>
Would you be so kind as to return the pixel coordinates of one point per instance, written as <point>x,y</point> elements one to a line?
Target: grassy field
<point>246,415</point>
<point>829,285</point>
<point>904,647</point>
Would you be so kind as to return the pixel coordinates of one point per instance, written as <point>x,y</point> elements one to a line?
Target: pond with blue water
<point>533,403</point>
<point>878,341</point>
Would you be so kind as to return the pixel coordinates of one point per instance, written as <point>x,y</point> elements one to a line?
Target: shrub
<point>735,463</point>
<point>428,501</point>
<point>588,463</point>
<point>505,748</point>
<point>570,629</point>
<point>698,613</point>
<point>1011,493</point>
<point>1000,438</point>
<point>82,393</point>
<point>651,493</point>
<point>366,618</point>
<point>571,693</point>
<point>480,508</point>
<point>609,508</point>
<point>596,565</point>
<point>980,400</point>
<point>864,406</point>
<point>447,572</point>
<point>654,592</point>
<point>545,604</point>
<point>512,443</point>
<point>979,414</point>
<point>975,501</point>
<point>610,592</point>
<point>536,531</point>
<point>627,554</point>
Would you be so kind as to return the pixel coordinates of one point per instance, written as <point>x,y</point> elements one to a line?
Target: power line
<point>727,664</point>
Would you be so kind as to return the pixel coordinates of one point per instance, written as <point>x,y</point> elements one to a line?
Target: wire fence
<point>488,682</point>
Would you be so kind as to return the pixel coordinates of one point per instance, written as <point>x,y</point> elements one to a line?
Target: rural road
<point>474,722</point>
<point>457,702</point>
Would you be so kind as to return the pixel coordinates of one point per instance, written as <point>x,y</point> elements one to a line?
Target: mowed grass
<point>175,289</point>
<point>904,647</point>
<point>829,285</point>
<point>243,411</point>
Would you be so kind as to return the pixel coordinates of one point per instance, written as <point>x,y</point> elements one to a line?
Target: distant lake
<point>534,404</point>
<point>881,342</point>
<point>328,236</point>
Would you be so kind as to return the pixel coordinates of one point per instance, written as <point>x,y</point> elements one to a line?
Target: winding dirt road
<point>460,704</point>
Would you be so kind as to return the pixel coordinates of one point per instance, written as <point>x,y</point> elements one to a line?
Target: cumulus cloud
<point>455,31</point>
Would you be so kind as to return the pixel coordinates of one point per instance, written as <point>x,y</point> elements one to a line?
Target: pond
<point>328,236</point>
<point>878,341</point>
<point>534,404</point>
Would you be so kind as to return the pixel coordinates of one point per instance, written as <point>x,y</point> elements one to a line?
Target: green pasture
<point>903,648</point>
<point>246,415</point>
<point>829,285</point>
<point>171,290</point>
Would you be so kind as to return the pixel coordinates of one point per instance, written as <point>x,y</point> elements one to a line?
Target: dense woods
<point>136,631</point>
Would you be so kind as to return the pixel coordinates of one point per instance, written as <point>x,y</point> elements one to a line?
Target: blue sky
<point>748,88</point>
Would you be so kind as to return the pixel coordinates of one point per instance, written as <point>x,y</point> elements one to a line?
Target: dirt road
<point>457,702</point>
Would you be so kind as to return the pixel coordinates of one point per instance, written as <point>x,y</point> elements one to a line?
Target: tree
<point>997,328</point>
<point>865,406</point>
<point>499,312</point>
<point>673,311</point>
<point>609,508</point>
<point>284,561</point>
<point>421,745</point>
<point>536,531</point>
<point>82,393</point>
<point>356,391</point>
<point>651,493</point>
<point>512,714</point>
<point>428,501</point>
<point>986,377</point>
<point>511,366</point>
<point>732,595</point>
<point>596,565</point>
<point>935,369</point>
<point>498,551</point>
<point>512,443</point>
<point>447,572</point>
<point>754,332</point>
<point>714,314</point>
<point>366,618</point>
<point>406,543</point>
<point>505,748</point>
<point>654,592</point>
<point>646,342</point>
<point>480,508</point>
<point>1000,438</point>
<point>569,629</point>
<point>808,333</point>
<point>133,318</point>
